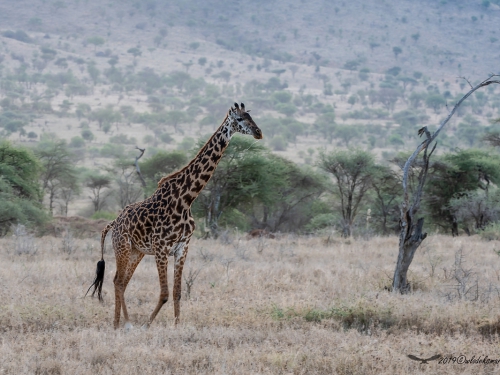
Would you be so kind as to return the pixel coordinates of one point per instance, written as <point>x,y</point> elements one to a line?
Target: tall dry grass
<point>285,306</point>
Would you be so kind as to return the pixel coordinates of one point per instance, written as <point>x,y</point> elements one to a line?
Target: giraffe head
<point>241,121</point>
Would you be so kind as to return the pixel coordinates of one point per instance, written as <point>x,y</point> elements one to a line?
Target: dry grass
<point>288,306</point>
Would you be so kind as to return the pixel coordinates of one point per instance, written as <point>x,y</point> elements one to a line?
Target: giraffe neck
<point>194,177</point>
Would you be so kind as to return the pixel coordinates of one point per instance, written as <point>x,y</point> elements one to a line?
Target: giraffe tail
<point>101,266</point>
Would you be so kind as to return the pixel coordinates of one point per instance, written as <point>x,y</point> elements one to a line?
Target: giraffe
<point>162,225</point>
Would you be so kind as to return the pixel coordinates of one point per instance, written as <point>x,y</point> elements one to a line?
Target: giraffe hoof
<point>128,326</point>
<point>145,326</point>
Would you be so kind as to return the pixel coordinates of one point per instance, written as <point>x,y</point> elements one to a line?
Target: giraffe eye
<point>239,119</point>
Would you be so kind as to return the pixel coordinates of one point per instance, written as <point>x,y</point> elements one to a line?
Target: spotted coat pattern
<point>162,225</point>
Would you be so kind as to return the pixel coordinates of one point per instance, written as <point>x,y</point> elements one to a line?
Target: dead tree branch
<point>411,235</point>
<point>138,170</point>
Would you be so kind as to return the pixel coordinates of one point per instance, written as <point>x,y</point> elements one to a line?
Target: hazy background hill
<point>107,76</point>
<point>436,37</point>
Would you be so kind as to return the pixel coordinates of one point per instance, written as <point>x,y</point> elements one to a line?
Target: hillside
<point>107,76</point>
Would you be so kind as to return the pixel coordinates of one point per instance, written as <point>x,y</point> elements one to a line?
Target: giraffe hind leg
<point>127,260</point>
<point>161,265</point>
<point>118,294</point>
<point>134,260</point>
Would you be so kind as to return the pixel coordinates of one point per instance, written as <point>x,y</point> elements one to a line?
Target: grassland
<point>292,305</point>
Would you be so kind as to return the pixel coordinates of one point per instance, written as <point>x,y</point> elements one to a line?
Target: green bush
<point>87,135</point>
<point>20,190</point>
<point>166,138</point>
<point>112,151</point>
<point>278,143</point>
<point>104,215</point>
<point>17,35</point>
<point>186,144</point>
<point>77,142</point>
<point>235,219</point>
<point>321,221</point>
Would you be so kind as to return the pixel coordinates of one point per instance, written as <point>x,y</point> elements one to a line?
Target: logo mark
<point>424,360</point>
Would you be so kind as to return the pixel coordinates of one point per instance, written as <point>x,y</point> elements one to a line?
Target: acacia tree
<point>411,235</point>
<point>175,118</point>
<point>456,175</point>
<point>353,174</point>
<point>476,209</point>
<point>159,165</point>
<point>58,170</point>
<point>294,189</point>
<point>96,41</point>
<point>97,183</point>
<point>20,190</point>
<point>128,181</point>
<point>385,185</point>
<point>243,176</point>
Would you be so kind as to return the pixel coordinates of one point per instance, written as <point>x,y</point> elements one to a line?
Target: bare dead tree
<point>143,182</point>
<point>411,235</point>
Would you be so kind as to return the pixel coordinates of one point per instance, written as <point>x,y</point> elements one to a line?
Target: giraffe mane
<point>176,173</point>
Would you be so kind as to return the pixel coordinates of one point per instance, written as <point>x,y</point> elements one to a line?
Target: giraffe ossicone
<point>162,225</point>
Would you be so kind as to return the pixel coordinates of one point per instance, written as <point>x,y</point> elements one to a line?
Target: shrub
<point>278,143</point>
<point>103,215</point>
<point>122,139</point>
<point>23,241</point>
<point>186,144</point>
<point>112,151</point>
<point>166,138</point>
<point>17,35</point>
<point>77,142</point>
<point>87,135</point>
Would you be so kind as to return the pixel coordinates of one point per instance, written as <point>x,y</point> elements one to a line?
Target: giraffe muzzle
<point>257,134</point>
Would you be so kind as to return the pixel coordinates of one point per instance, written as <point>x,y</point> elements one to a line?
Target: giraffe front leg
<point>161,265</point>
<point>180,258</point>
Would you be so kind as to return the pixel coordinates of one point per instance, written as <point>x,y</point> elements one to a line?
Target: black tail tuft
<point>99,278</point>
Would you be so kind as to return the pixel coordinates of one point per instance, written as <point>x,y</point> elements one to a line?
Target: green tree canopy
<point>161,164</point>
<point>453,175</point>
<point>96,41</point>
<point>58,167</point>
<point>435,101</point>
<point>352,171</point>
<point>20,190</point>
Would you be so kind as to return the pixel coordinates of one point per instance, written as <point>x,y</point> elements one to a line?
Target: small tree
<point>397,51</point>
<point>240,179</point>
<point>347,133</point>
<point>136,52</point>
<point>58,167</point>
<point>94,73</point>
<point>96,41</point>
<point>20,190</point>
<point>436,102</point>
<point>97,183</point>
<point>129,189</point>
<point>294,69</point>
<point>353,173</point>
<point>476,209</point>
<point>386,186</point>
<point>202,61</point>
<point>160,165</point>
<point>175,118</point>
